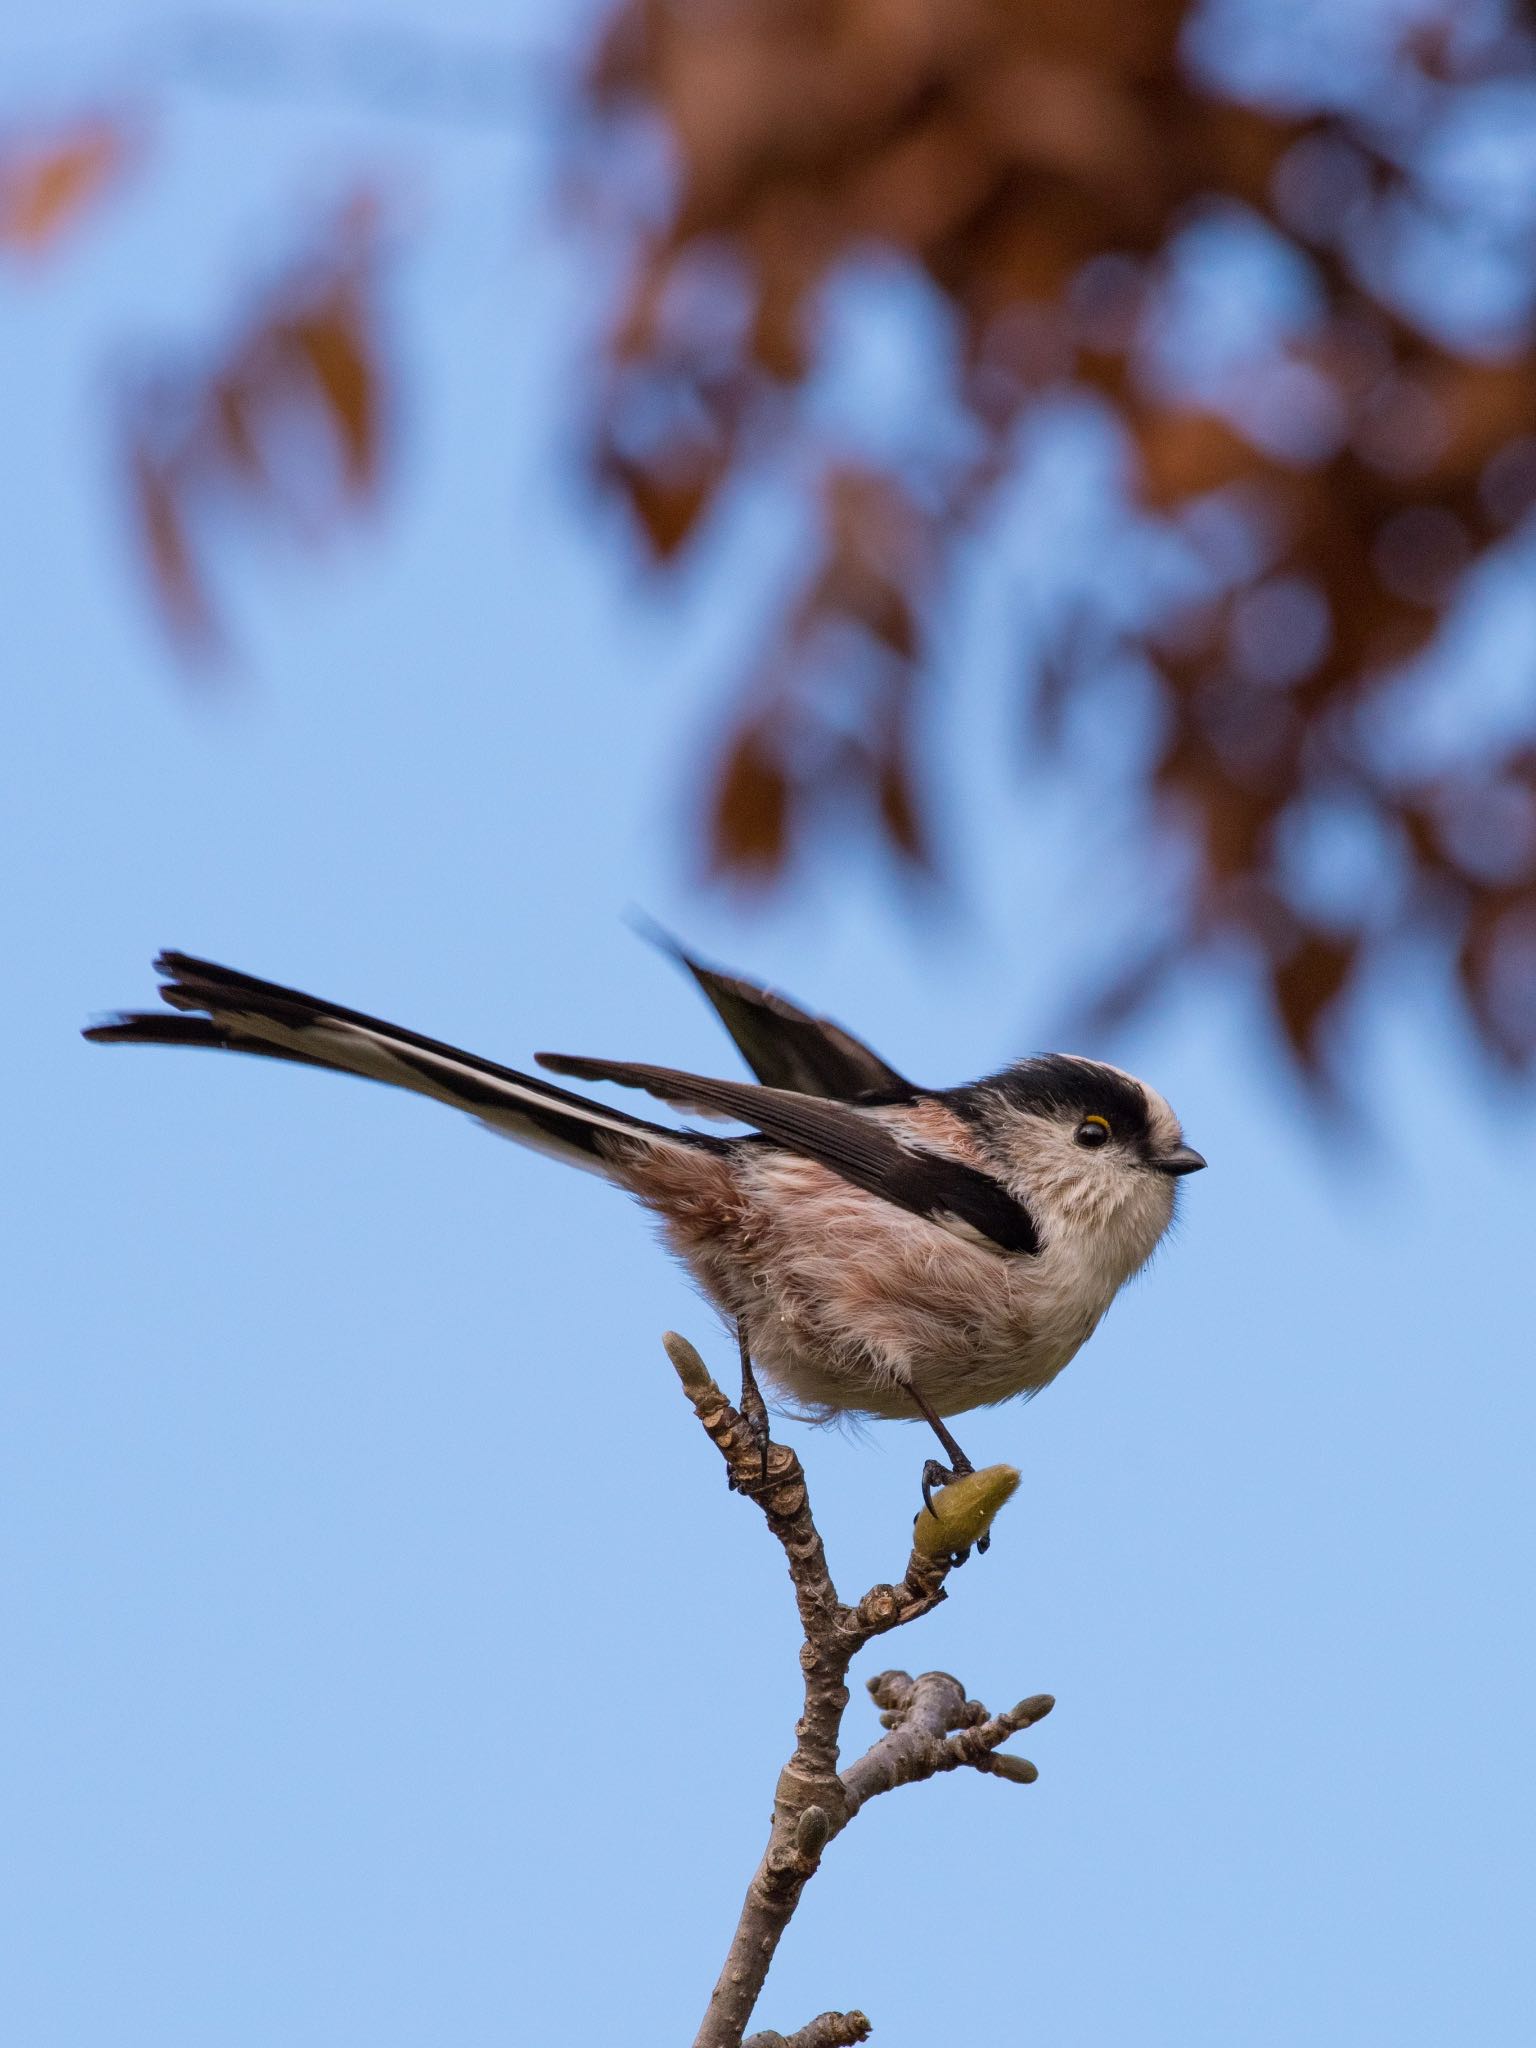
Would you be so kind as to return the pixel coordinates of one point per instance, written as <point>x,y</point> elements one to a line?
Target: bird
<point>884,1250</point>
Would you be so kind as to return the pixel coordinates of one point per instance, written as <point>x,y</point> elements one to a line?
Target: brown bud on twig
<point>891,1690</point>
<point>1017,1769</point>
<point>812,1830</point>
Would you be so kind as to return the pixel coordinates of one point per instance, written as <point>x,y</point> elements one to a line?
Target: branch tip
<point>698,1382</point>
<point>827,2030</point>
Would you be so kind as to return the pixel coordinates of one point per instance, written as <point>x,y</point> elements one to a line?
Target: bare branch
<point>920,1713</point>
<point>933,1726</point>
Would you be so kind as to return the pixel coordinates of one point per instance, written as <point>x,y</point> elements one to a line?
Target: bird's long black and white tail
<point>217,1006</point>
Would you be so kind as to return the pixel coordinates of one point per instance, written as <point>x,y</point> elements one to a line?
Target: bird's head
<point>1088,1145</point>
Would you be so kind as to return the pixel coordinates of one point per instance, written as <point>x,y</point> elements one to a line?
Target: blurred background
<point>1013,522</point>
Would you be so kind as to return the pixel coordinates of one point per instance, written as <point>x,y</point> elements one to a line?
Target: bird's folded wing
<point>846,1140</point>
<point>785,1046</point>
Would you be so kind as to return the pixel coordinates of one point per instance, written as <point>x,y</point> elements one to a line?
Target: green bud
<point>963,1511</point>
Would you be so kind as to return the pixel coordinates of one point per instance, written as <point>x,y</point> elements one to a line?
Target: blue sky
<point>386,1661</point>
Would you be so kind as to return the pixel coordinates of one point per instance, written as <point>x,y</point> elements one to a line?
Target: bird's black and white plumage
<point>890,1250</point>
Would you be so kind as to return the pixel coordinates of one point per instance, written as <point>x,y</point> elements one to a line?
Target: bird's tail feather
<point>240,1013</point>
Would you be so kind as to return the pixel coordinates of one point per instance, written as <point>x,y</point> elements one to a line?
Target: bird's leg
<point>935,1474</point>
<point>754,1409</point>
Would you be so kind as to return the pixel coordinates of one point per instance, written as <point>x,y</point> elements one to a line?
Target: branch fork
<point>931,1725</point>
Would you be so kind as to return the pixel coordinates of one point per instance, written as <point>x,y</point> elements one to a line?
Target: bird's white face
<point>1094,1152</point>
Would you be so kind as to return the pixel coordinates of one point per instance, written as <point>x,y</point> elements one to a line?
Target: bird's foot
<point>935,1474</point>
<point>754,1414</point>
<point>753,1410</point>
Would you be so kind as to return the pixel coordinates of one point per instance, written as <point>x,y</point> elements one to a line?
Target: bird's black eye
<point>1093,1130</point>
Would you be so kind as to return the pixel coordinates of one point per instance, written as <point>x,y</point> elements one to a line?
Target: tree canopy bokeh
<point>1282,263</point>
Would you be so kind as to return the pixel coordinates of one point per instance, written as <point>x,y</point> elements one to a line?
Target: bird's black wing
<point>847,1140</point>
<point>785,1046</point>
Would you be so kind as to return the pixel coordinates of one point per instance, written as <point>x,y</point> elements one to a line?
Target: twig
<point>827,2030</point>
<point>921,1712</point>
<point>932,1726</point>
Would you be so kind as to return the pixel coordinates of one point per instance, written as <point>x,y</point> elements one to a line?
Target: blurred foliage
<point>50,178</point>
<point>1041,166</point>
<point>1283,256</point>
<point>281,425</point>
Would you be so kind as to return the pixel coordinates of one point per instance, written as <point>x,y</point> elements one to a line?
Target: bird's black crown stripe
<point>1055,1083</point>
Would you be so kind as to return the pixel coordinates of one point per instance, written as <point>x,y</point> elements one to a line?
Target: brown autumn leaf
<point>331,343</point>
<point>896,792</point>
<point>1484,406</point>
<point>667,501</point>
<point>1182,454</point>
<point>1306,984</point>
<point>48,183</point>
<point>875,560</point>
<point>159,519</point>
<point>749,836</point>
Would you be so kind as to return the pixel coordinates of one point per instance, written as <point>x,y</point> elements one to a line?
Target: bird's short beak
<point>1183,1159</point>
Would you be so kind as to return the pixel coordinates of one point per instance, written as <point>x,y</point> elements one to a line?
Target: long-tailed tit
<point>883,1249</point>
